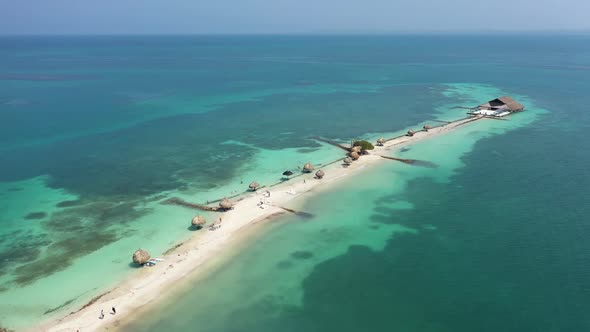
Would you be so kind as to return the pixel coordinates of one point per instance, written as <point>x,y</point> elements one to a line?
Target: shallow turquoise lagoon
<point>96,132</point>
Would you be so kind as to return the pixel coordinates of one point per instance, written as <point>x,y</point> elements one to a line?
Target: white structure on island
<point>498,107</point>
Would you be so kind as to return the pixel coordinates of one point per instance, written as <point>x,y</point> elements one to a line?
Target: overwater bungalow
<point>498,107</point>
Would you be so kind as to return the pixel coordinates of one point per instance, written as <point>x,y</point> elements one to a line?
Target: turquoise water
<point>314,274</point>
<point>97,131</point>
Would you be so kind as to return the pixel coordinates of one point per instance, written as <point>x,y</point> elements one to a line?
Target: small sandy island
<point>145,285</point>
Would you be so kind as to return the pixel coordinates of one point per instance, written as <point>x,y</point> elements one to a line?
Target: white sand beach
<point>144,286</point>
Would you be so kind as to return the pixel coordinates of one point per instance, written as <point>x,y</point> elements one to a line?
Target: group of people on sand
<point>113,311</point>
<point>215,226</point>
<point>263,200</point>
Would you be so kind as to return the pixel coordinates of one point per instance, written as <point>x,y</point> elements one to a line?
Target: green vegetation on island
<point>364,145</point>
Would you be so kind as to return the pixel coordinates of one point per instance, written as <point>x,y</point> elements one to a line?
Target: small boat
<point>151,262</point>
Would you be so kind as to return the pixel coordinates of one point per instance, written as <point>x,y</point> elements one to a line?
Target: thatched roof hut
<point>141,256</point>
<point>347,161</point>
<point>503,103</point>
<point>226,204</point>
<point>381,141</point>
<point>307,168</point>
<point>319,174</point>
<point>198,221</point>
<point>253,186</point>
<point>427,127</point>
<point>410,133</point>
<point>356,149</point>
<point>354,155</point>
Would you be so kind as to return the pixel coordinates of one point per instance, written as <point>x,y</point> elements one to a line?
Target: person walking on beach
<point>101,314</point>
<point>113,310</point>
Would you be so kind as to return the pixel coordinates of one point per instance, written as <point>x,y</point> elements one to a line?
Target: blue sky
<point>288,16</point>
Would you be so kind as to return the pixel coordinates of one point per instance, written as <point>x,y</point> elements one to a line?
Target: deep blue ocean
<point>95,131</point>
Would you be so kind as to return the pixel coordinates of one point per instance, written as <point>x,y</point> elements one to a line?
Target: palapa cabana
<point>504,103</point>
<point>307,168</point>
<point>198,221</point>
<point>141,256</point>
<point>253,186</point>
<point>356,149</point>
<point>319,174</point>
<point>427,127</point>
<point>225,204</point>
<point>354,155</point>
<point>410,133</point>
<point>347,161</point>
<point>381,141</point>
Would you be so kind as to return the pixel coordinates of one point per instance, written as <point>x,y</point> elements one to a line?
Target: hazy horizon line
<point>326,33</point>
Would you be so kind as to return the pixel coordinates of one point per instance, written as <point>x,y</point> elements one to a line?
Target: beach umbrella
<point>226,204</point>
<point>198,221</point>
<point>347,161</point>
<point>381,141</point>
<point>354,155</point>
<point>319,174</point>
<point>140,256</point>
<point>254,185</point>
<point>287,173</point>
<point>307,168</point>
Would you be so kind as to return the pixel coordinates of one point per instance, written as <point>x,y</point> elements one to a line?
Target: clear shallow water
<point>345,263</point>
<point>109,125</point>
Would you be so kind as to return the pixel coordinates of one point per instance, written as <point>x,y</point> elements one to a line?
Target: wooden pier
<point>338,145</point>
<point>181,202</point>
